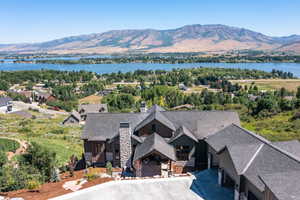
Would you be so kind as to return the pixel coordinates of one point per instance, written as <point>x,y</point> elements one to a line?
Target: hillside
<point>191,38</point>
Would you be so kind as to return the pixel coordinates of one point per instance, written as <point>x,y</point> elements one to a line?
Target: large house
<point>159,142</point>
<point>153,141</point>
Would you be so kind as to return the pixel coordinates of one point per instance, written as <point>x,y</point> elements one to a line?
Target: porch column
<point>220,176</point>
<point>209,161</point>
<point>236,192</point>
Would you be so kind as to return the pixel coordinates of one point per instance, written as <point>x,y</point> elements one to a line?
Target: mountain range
<point>190,38</point>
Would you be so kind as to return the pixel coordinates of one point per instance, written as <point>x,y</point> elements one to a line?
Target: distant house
<point>181,86</point>
<point>43,97</point>
<point>84,109</point>
<point>183,107</point>
<point>5,104</point>
<point>106,91</point>
<point>28,95</point>
<point>73,118</point>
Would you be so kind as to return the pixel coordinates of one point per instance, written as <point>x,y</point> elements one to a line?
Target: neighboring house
<point>73,118</point>
<point>84,109</point>
<point>43,97</point>
<point>28,95</point>
<point>183,107</point>
<point>5,104</point>
<point>252,165</point>
<point>154,142</point>
<point>106,91</point>
<point>181,86</point>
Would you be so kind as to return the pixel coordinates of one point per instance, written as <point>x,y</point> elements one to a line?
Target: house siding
<point>269,195</point>
<point>215,157</point>
<point>227,165</point>
<point>249,187</point>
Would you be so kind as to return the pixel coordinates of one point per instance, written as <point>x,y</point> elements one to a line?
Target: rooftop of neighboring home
<point>198,124</point>
<point>4,101</point>
<point>92,108</point>
<point>254,156</point>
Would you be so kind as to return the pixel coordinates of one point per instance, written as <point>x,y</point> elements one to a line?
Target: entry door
<point>151,168</point>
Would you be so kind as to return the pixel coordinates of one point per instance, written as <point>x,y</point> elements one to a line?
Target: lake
<point>126,67</point>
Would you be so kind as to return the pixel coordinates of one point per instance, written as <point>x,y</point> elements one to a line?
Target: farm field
<point>271,84</point>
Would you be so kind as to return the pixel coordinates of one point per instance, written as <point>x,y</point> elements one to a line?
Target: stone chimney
<point>143,107</point>
<point>125,144</point>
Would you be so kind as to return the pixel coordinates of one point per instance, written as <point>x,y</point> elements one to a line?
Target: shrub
<point>7,145</point>
<point>33,185</point>
<point>3,158</point>
<point>109,168</point>
<point>90,176</point>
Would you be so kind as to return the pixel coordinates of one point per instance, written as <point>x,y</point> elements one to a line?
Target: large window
<point>182,152</point>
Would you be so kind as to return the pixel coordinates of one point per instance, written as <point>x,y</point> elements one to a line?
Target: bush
<point>3,158</point>
<point>7,145</point>
<point>90,176</point>
<point>109,168</point>
<point>33,185</point>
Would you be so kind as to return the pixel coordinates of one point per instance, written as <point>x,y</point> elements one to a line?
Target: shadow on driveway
<point>206,186</point>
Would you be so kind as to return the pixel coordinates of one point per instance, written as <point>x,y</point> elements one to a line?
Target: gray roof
<point>102,126</point>
<point>154,143</point>
<point>199,123</point>
<point>242,154</point>
<point>155,107</point>
<point>75,114</point>
<point>283,184</point>
<point>203,123</point>
<point>23,114</point>
<point>4,101</point>
<point>269,160</point>
<point>158,116</point>
<point>292,146</point>
<point>232,135</point>
<point>253,155</point>
<point>92,108</point>
<point>181,131</point>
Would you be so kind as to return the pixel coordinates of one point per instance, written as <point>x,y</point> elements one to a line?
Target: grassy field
<point>7,145</point>
<point>271,84</point>
<point>48,132</point>
<point>93,99</point>
<point>277,128</point>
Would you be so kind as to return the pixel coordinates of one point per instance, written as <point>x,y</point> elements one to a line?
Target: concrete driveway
<point>148,189</point>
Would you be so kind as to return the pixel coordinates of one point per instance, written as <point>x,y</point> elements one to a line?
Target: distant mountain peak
<point>189,38</point>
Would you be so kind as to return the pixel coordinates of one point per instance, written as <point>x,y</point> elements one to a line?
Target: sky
<point>43,20</point>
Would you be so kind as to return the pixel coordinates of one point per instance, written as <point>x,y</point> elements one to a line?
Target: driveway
<point>148,189</point>
<point>19,105</point>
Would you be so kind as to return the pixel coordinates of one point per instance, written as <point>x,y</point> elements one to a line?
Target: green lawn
<point>64,140</point>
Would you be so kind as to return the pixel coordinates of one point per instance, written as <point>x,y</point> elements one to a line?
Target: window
<point>182,152</point>
<point>153,127</point>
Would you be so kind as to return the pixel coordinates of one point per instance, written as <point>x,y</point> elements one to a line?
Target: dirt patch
<point>50,190</point>
<point>93,99</point>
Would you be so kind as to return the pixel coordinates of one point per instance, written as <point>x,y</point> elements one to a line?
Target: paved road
<point>149,189</point>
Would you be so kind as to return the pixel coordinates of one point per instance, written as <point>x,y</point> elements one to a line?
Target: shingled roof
<point>283,184</point>
<point>154,142</point>
<point>4,101</point>
<point>253,155</point>
<point>92,108</point>
<point>102,126</point>
<point>181,131</point>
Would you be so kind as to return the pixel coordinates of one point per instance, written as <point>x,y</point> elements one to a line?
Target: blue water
<point>126,67</point>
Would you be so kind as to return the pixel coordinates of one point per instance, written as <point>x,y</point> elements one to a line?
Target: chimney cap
<point>124,124</point>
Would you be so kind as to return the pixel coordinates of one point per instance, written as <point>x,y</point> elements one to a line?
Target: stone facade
<point>125,145</point>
